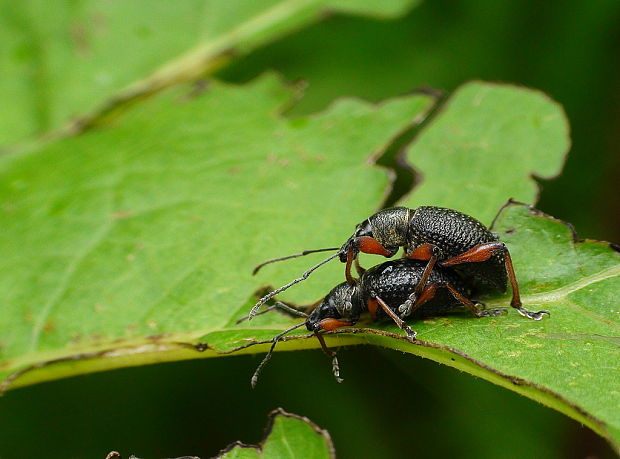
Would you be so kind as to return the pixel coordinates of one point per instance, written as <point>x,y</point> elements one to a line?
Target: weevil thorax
<point>342,303</point>
<point>388,227</point>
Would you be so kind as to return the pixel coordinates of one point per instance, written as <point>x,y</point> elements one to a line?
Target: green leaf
<point>143,236</point>
<point>485,146</point>
<point>63,60</point>
<point>287,436</point>
<point>134,243</point>
<point>559,360</point>
<point>569,361</point>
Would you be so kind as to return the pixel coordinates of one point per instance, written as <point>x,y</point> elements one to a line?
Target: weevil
<point>440,236</point>
<point>379,291</point>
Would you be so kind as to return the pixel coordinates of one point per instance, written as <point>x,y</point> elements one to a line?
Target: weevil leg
<point>347,269</point>
<point>474,307</point>
<point>516,299</point>
<point>365,244</point>
<point>428,252</point>
<point>401,324</point>
<point>409,307</point>
<point>332,355</point>
<point>482,252</point>
<point>358,267</point>
<point>534,315</point>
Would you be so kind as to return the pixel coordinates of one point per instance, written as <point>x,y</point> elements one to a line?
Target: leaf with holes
<point>143,235</point>
<point>133,244</point>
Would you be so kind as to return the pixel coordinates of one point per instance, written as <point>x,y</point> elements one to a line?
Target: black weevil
<point>439,236</point>
<point>379,291</point>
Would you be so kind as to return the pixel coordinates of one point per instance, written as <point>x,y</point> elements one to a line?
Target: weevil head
<point>351,245</point>
<point>340,308</point>
<point>388,228</point>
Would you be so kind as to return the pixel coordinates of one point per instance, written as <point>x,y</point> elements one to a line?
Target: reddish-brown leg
<point>347,269</point>
<point>401,324</point>
<point>408,307</point>
<point>471,306</point>
<point>368,244</point>
<point>428,252</point>
<point>482,252</point>
<point>332,324</point>
<point>358,267</point>
<point>424,252</point>
<point>365,244</point>
<point>372,304</point>
<point>516,297</point>
<point>332,354</point>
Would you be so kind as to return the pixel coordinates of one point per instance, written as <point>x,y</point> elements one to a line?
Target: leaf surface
<point>127,235</point>
<point>287,436</point>
<point>569,361</point>
<point>485,146</point>
<point>133,244</point>
<point>64,60</point>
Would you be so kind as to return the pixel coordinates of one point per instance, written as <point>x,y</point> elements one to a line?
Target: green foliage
<point>147,231</point>
<point>288,436</point>
<point>64,59</point>
<point>485,147</point>
<point>152,227</point>
<point>132,243</point>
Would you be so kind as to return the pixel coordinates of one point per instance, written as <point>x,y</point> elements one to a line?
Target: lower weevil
<point>380,291</point>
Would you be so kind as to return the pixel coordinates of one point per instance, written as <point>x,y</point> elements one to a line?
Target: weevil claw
<point>534,315</point>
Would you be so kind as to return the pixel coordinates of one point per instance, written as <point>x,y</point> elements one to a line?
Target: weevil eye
<point>363,229</point>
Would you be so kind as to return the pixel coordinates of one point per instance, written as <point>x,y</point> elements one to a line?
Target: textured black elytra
<point>453,232</point>
<point>392,281</point>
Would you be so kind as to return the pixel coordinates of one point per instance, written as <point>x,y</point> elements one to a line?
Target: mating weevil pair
<point>446,255</point>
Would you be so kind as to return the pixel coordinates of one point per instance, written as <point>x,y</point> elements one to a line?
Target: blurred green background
<point>390,405</point>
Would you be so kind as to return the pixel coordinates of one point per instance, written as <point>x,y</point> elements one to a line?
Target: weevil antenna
<point>276,338</point>
<point>278,304</point>
<point>288,257</point>
<point>303,277</point>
